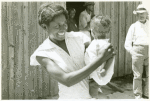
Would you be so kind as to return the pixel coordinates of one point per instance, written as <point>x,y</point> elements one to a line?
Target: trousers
<point>140,60</point>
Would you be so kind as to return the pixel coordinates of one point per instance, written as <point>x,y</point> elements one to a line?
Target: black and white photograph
<point>57,50</point>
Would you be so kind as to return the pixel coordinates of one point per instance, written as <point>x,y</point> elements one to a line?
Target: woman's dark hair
<point>48,11</point>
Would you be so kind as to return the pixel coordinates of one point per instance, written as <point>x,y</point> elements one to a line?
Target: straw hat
<point>140,9</point>
<point>88,3</point>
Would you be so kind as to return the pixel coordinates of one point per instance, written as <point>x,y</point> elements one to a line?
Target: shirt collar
<point>87,12</point>
<point>48,44</point>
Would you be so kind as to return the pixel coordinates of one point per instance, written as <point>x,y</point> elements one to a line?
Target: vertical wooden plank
<point>39,80</point>
<point>19,72</point>
<point>108,13</point>
<point>28,70</point>
<point>34,27</point>
<point>96,8</point>
<point>128,60</point>
<point>26,49</point>
<point>45,84</point>
<point>114,33</point>
<point>103,8</point>
<point>5,68</point>
<point>134,8</point>
<point>11,38</point>
<point>100,8</point>
<point>33,41</point>
<point>121,66</point>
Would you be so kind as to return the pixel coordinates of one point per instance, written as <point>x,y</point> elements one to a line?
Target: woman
<point>62,54</point>
<point>72,25</point>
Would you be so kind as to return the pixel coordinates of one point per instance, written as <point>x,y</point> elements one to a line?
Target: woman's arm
<point>72,78</point>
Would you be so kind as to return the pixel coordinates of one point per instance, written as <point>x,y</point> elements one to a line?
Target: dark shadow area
<point>78,6</point>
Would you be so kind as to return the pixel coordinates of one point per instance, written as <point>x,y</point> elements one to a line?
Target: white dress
<point>91,54</point>
<point>75,45</point>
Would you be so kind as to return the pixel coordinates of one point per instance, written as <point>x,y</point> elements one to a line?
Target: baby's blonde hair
<point>98,19</point>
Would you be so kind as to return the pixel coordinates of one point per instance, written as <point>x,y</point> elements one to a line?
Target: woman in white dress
<point>62,54</point>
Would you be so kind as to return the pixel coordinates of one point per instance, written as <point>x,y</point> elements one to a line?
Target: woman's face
<point>142,16</point>
<point>72,14</point>
<point>58,27</point>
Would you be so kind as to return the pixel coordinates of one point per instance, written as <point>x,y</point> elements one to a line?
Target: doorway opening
<point>78,6</point>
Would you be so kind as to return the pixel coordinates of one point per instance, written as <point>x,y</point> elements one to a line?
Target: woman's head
<point>71,12</point>
<point>100,26</point>
<point>53,18</point>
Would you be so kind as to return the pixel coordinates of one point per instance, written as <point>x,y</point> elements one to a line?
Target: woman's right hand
<point>107,52</point>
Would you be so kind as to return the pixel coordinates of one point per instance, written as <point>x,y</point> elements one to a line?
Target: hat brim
<point>141,11</point>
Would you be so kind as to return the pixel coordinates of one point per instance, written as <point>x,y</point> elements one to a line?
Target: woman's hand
<point>107,52</point>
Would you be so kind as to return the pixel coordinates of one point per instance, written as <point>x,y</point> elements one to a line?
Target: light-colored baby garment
<point>92,53</point>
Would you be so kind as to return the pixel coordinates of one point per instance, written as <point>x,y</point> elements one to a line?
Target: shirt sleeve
<point>33,61</point>
<point>129,37</point>
<point>83,21</point>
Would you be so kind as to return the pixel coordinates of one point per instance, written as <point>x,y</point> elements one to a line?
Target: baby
<point>100,26</point>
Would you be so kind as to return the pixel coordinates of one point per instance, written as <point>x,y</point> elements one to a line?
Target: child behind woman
<point>100,26</point>
<point>72,25</point>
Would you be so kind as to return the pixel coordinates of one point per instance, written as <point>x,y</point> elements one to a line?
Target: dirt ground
<point>125,83</point>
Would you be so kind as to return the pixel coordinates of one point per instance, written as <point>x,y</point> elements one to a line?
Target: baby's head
<point>100,26</point>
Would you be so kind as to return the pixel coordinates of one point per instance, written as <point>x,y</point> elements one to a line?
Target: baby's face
<point>100,32</point>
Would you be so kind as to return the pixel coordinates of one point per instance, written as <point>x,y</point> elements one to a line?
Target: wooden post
<point>128,60</point>
<point>5,68</point>
<point>19,69</point>
<point>114,33</point>
<point>39,73</point>
<point>121,67</point>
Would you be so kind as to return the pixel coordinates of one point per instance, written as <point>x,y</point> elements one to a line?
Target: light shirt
<point>138,33</point>
<point>92,53</point>
<point>84,18</point>
<point>69,63</point>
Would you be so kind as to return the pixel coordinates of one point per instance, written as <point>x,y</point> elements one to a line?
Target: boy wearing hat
<point>137,44</point>
<point>100,26</point>
<point>85,16</point>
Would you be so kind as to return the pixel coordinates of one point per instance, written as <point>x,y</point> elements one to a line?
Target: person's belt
<point>140,45</point>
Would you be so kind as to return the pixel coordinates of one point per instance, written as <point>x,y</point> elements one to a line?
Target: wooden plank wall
<point>21,35</point>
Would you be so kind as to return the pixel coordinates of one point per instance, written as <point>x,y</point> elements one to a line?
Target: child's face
<point>72,14</point>
<point>100,32</point>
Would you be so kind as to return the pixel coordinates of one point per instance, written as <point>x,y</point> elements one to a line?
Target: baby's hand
<point>102,72</point>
